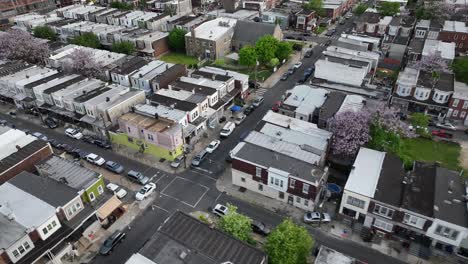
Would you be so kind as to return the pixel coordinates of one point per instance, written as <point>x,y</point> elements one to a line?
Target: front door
<point>290,200</point>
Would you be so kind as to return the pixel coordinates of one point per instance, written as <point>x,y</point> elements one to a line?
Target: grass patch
<point>261,75</point>
<point>422,149</point>
<point>179,58</point>
<point>319,29</point>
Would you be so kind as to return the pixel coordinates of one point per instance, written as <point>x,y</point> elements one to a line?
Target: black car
<point>291,70</point>
<point>88,139</point>
<point>111,242</point>
<point>260,228</point>
<point>328,43</point>
<point>284,77</point>
<point>249,110</point>
<point>68,148</point>
<point>54,143</point>
<point>78,153</point>
<point>102,144</point>
<point>50,123</point>
<point>309,53</point>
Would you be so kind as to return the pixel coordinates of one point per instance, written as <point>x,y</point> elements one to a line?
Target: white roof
<point>214,29</point>
<point>204,82</point>
<point>365,174</point>
<point>306,98</point>
<point>455,26</point>
<point>352,102</point>
<point>461,90</point>
<point>11,138</point>
<point>445,49</point>
<point>408,77</point>
<point>179,95</point>
<point>137,258</point>
<point>295,124</point>
<point>27,210</point>
<point>361,38</point>
<point>329,256</point>
<point>385,20</point>
<point>236,75</point>
<point>163,111</point>
<point>339,73</point>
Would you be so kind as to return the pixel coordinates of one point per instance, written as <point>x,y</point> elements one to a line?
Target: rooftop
<point>365,173</point>
<point>444,83</point>
<point>197,89</point>
<point>455,26</point>
<point>445,49</point>
<point>201,244</point>
<point>160,111</point>
<point>329,256</point>
<point>237,76</point>
<point>460,90</point>
<point>332,104</point>
<point>418,195</point>
<point>71,173</point>
<point>63,83</point>
<point>11,231</point>
<point>250,31</point>
<point>152,124</point>
<point>391,178</point>
<point>353,103</point>
<point>13,141</point>
<point>91,94</point>
<point>130,65</point>
<point>50,191</point>
<point>27,210</point>
<point>164,97</point>
<point>305,98</point>
<point>213,29</point>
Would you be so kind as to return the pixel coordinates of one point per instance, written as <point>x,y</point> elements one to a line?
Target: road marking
<point>201,197</point>
<point>177,177</point>
<point>204,170</point>
<point>199,173</point>
<point>221,193</point>
<point>177,199</point>
<point>160,208</point>
<point>162,176</point>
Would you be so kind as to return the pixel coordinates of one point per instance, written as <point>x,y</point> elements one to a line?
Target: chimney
<point>18,147</point>
<point>107,99</point>
<point>193,91</point>
<point>192,32</point>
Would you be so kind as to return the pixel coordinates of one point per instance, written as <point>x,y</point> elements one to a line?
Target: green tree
<point>360,9</point>
<point>288,243</point>
<point>420,121</point>
<point>317,6</point>
<point>87,39</point>
<point>266,48</point>
<point>283,50</point>
<point>388,8</point>
<point>121,5</point>
<point>238,225</point>
<point>248,56</point>
<point>125,47</point>
<point>177,39</point>
<point>460,68</point>
<point>44,32</point>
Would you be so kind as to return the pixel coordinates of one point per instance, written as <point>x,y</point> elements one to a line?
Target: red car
<point>441,133</point>
<point>276,106</point>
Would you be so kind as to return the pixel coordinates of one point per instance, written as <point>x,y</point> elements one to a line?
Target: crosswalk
<point>261,91</point>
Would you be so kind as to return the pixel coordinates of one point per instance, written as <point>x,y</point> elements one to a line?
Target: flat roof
<point>149,123</point>
<point>11,231</point>
<point>213,29</point>
<point>28,210</point>
<point>161,98</point>
<point>91,94</point>
<point>460,90</point>
<point>198,89</point>
<point>160,110</point>
<point>455,26</point>
<point>391,178</point>
<point>63,85</point>
<point>13,140</point>
<point>445,49</point>
<point>68,172</point>
<point>306,98</point>
<point>419,191</point>
<point>366,171</point>
<point>329,256</point>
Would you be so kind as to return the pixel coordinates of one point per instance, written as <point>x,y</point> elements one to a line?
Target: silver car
<point>316,217</point>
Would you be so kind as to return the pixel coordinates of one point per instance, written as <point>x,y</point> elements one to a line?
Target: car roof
<point>92,155</point>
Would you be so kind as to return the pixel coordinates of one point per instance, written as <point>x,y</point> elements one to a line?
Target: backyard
<point>262,72</point>
<point>179,58</point>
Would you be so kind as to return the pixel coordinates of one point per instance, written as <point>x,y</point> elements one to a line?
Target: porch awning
<point>108,207</point>
<point>236,108</point>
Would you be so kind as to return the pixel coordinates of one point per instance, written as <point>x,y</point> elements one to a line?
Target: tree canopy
<point>177,39</point>
<point>121,5</point>
<point>125,47</point>
<point>266,48</point>
<point>460,68</point>
<point>247,56</point>
<point>288,243</point>
<point>87,39</point>
<point>20,45</point>
<point>238,225</point>
<point>44,32</point>
<point>360,9</point>
<point>283,50</point>
<point>83,62</point>
<point>388,8</point>
<point>317,6</point>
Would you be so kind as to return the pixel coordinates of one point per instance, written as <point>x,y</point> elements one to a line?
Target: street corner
<point>143,204</point>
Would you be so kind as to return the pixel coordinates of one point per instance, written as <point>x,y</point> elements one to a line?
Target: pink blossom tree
<point>432,63</point>
<point>388,118</point>
<point>82,62</point>
<point>20,45</point>
<point>350,132</point>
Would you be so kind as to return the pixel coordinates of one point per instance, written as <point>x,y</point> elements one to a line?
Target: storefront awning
<point>108,207</point>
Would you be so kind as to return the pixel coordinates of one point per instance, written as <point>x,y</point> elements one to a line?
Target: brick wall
<point>460,39</point>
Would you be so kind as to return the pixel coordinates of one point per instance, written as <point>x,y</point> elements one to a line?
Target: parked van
<point>198,159</point>
<point>227,129</point>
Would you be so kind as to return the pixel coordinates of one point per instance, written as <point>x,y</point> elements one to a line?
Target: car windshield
<point>140,176</point>
<point>108,243</point>
<point>225,130</point>
<point>142,191</point>
<point>212,145</point>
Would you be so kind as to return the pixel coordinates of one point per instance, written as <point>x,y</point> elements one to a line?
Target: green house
<point>89,183</point>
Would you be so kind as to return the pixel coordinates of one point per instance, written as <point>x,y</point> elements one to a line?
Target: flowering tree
<point>350,132</point>
<point>82,62</point>
<point>432,63</point>
<point>388,118</point>
<point>20,45</point>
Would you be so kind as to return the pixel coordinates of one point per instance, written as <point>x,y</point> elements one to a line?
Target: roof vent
<point>447,202</point>
<point>18,147</point>
<point>11,216</point>
<point>107,99</point>
<point>183,255</point>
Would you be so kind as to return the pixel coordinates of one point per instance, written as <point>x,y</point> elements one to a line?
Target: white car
<point>314,217</point>
<point>297,65</point>
<point>447,126</point>
<point>213,146</point>
<point>117,190</point>
<point>73,133</point>
<point>145,191</point>
<point>95,159</point>
<point>220,210</point>
<point>239,119</point>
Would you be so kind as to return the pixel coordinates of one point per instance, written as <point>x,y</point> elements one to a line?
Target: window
<point>45,231</point>
<point>465,105</point>
<point>242,179</point>
<point>78,205</point>
<point>69,212</point>
<point>26,245</point>
<point>413,220</point>
<point>305,188</point>
<point>258,172</point>
<point>100,189</point>
<point>16,253</point>
<point>463,114</point>
<point>355,202</point>
<point>260,187</point>
<point>306,202</point>
<point>150,137</point>
<point>54,224</point>
<point>383,211</point>
<point>383,225</point>
<point>292,183</point>
<point>455,103</point>
<point>455,113</point>
<point>441,97</point>
<point>446,232</point>
<point>91,196</point>
<point>276,181</point>
<point>298,199</point>
<point>281,195</point>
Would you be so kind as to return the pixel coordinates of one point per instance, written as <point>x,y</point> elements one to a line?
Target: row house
<point>427,29</point>
<point>458,104</point>
<point>210,93</point>
<point>283,160</point>
<point>305,20</point>
<point>420,91</point>
<point>421,210</point>
<point>183,7</point>
<point>367,23</point>
<point>142,78</point>
<point>64,98</point>
<point>337,8</point>
<point>162,80</point>
<point>241,81</point>
<point>121,73</point>
<point>352,71</point>
<point>303,102</point>
<point>445,50</point>
<point>8,68</point>
<point>457,32</point>
<point>12,8</point>
<point>62,81</point>
<point>31,20</point>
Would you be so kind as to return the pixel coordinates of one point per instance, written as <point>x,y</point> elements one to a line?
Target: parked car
<point>316,217</point>
<point>73,133</point>
<point>446,126</point>
<point>50,123</point>
<point>239,119</point>
<point>95,159</point>
<point>220,210</point>
<point>78,153</point>
<point>291,70</point>
<point>213,146</point>
<point>260,228</point>
<point>330,32</point>
<point>145,191</point>
<point>249,109</point>
<point>276,106</point>
<point>102,144</point>
<point>227,129</point>
<point>137,177</point>
<point>309,53</point>
<point>302,80</point>
<point>328,43</point>
<point>442,133</point>
<point>297,65</point>
<point>222,119</point>
<point>199,158</point>
<point>284,77</point>
<point>68,148</point>
<point>117,190</point>
<point>111,242</point>
<point>309,71</point>
<point>258,101</point>
<point>55,143</point>
<point>40,136</point>
<point>114,167</point>
<point>3,122</point>
<point>177,161</point>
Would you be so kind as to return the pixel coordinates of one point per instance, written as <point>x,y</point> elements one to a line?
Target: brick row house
<point>424,208</point>
<point>284,159</point>
<point>458,104</point>
<point>455,31</point>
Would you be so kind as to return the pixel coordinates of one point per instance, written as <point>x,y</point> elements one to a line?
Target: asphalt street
<point>195,189</point>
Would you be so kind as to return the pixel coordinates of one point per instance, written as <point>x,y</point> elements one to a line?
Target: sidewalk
<point>276,76</point>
